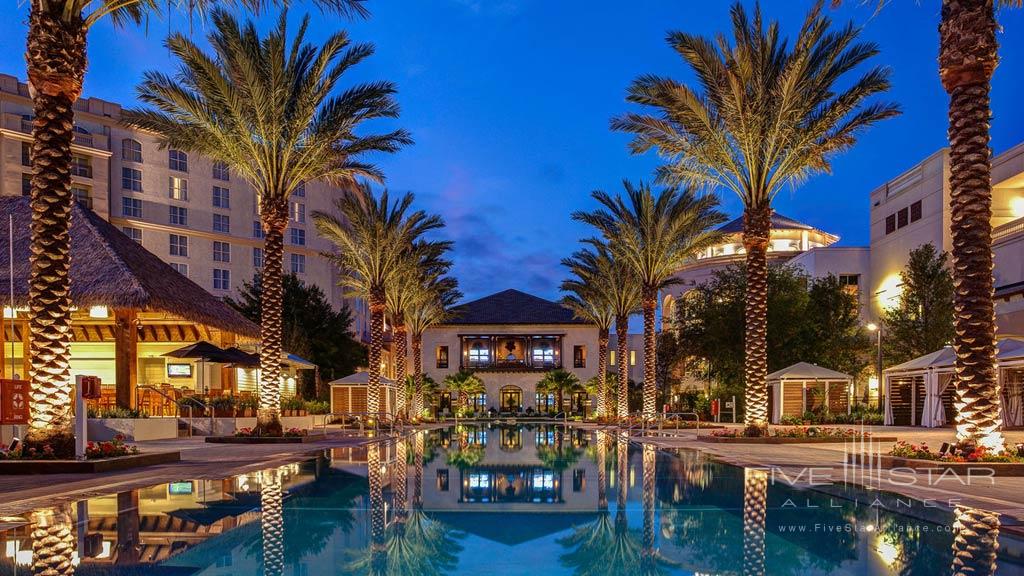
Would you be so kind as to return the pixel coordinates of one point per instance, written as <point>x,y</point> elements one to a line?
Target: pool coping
<point>789,440</point>
<point>886,462</point>
<point>305,439</point>
<point>96,466</point>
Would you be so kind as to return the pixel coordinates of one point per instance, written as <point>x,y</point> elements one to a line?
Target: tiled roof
<point>513,307</point>
<point>779,222</point>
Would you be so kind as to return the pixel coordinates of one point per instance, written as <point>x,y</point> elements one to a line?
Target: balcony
<point>511,353</point>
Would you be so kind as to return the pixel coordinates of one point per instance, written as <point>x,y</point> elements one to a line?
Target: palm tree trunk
<point>53,541</point>
<point>377,307</point>
<point>622,342</point>
<point>56,63</point>
<point>602,372</point>
<point>275,220</point>
<point>417,375</point>
<point>401,362</point>
<point>650,306</point>
<point>967,59</point>
<point>757,223</point>
<point>975,541</point>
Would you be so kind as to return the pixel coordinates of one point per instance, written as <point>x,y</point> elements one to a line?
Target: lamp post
<point>878,362</point>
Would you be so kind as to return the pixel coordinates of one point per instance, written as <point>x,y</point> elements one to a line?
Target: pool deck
<point>1003,495</point>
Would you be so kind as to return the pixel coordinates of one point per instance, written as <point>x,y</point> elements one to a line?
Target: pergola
<point>349,394</point>
<point>129,305</point>
<point>920,392</point>
<point>805,387</point>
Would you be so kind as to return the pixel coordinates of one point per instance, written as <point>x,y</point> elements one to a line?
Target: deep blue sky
<point>509,103</point>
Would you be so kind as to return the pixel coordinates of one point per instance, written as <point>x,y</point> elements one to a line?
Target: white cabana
<point>1010,360</point>
<point>920,392</point>
<point>805,387</point>
<point>349,394</point>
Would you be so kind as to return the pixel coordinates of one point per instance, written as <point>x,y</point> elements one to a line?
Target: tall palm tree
<point>968,54</point>
<point>370,245</point>
<point>465,384</point>
<point>423,265</point>
<point>654,235</point>
<point>559,382</point>
<point>56,62</point>
<point>767,113</point>
<point>264,107</point>
<point>604,272</point>
<point>588,301</point>
<point>430,307</point>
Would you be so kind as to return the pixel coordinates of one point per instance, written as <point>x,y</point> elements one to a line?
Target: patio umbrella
<point>242,358</point>
<point>203,351</point>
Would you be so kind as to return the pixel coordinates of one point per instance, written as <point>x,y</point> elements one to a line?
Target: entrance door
<point>445,403</point>
<point>511,399</point>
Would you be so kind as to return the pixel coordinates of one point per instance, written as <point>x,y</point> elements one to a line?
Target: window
<point>177,160</point>
<point>131,179</point>
<point>442,356</point>
<point>178,245</point>
<point>257,230</point>
<point>131,150</point>
<point>298,236</point>
<point>850,283</point>
<point>180,268</point>
<point>890,224</point>
<point>131,207</point>
<point>26,154</point>
<point>298,263</point>
<point>915,211</point>
<point>902,218</point>
<point>221,172</point>
<point>81,166</point>
<point>133,233</point>
<point>221,252</point>
<point>221,279</point>
<point>257,257</point>
<point>442,480</point>
<point>298,212</point>
<point>82,194</point>
<point>177,188</point>
<point>543,353</point>
<point>579,356</point>
<point>479,354</point>
<point>632,357</point>
<point>221,223</point>
<point>611,357</point>
<point>300,190</point>
<point>178,215</point>
<point>579,480</point>
<point>221,197</point>
<point>26,184</point>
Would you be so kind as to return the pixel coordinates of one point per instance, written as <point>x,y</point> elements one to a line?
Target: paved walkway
<point>199,460</point>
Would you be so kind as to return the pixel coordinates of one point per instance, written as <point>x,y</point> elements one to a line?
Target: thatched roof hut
<point>110,269</point>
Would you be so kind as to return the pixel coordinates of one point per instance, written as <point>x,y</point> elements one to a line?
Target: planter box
<point>264,439</point>
<point>133,429</point>
<point>776,440</point>
<point>87,466</point>
<point>958,468</point>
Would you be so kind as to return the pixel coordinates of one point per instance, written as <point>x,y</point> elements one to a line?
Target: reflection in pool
<point>503,500</point>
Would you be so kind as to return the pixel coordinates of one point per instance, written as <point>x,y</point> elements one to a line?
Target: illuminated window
<point>442,480</point>
<point>177,188</point>
<point>442,357</point>
<point>298,212</point>
<point>579,356</point>
<point>632,357</point>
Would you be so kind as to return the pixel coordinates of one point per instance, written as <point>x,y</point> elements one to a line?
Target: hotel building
<point>191,212</point>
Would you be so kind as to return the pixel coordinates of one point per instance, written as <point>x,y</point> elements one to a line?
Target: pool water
<point>505,500</point>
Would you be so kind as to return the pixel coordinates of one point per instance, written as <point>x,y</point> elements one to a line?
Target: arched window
<point>131,150</point>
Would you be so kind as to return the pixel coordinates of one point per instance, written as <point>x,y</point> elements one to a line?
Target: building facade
<point>510,340</point>
<point>191,212</point>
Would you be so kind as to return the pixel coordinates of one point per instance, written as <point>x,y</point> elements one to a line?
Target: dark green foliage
<point>922,320</point>
<point>312,329</point>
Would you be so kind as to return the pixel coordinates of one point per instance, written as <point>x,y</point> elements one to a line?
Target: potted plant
<point>318,407</point>
<point>293,406</point>
<point>191,402</point>
<point>248,405</point>
<point>223,406</point>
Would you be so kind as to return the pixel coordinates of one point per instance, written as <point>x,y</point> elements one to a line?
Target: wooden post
<point>126,357</point>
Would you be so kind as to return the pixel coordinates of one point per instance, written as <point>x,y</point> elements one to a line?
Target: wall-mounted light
<point>1017,206</point>
<point>98,312</point>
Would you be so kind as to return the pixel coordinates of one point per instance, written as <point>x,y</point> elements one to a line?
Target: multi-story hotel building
<point>191,212</point>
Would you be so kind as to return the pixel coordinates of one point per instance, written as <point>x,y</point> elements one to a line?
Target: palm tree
<point>465,384</point>
<point>654,236</point>
<point>265,109</point>
<point>559,382</point>
<point>370,245</point>
<point>431,307</point>
<point>768,114</point>
<point>589,302</point>
<point>422,266</point>
<point>968,54</point>
<point>56,60</point>
<point>602,271</point>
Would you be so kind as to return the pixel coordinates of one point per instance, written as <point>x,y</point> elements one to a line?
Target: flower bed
<point>100,457</point>
<point>972,462</point>
<point>792,435</point>
<point>923,452</point>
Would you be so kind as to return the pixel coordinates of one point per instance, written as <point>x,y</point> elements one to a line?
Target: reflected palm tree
<point>975,541</point>
<point>272,522</point>
<point>755,502</point>
<point>377,557</point>
<point>560,455</point>
<point>53,541</point>
<point>602,473</point>
<point>401,479</point>
<point>622,472</point>
<point>417,482</point>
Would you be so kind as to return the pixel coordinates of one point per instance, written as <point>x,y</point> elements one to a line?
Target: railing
<point>366,420</point>
<point>1008,229</point>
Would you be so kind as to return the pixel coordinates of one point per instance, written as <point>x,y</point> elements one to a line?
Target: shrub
<point>248,403</point>
<point>293,403</point>
<point>318,407</point>
<point>117,412</point>
<point>222,402</point>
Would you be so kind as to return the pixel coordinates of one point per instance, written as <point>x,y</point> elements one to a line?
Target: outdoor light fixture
<point>1017,207</point>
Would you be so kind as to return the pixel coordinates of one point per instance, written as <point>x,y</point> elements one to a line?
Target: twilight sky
<point>509,103</point>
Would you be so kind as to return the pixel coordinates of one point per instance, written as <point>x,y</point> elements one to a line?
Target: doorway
<point>511,398</point>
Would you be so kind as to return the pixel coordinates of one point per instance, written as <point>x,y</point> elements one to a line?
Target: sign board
<point>728,404</point>
<point>14,401</point>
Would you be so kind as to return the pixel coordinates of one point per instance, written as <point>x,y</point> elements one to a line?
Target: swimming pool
<point>505,500</point>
